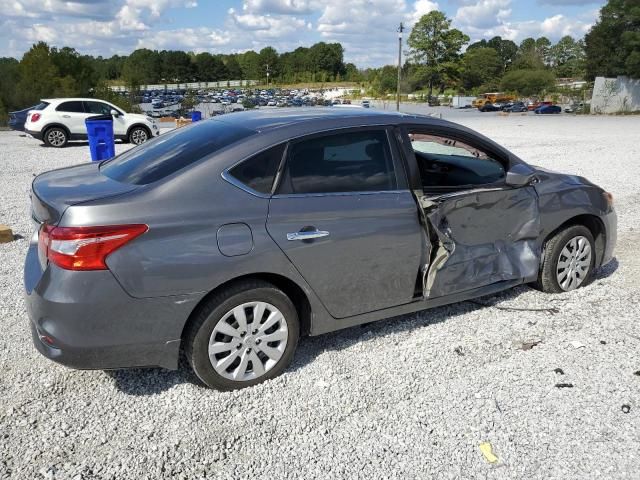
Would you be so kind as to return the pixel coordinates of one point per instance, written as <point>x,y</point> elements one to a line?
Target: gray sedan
<point>231,238</point>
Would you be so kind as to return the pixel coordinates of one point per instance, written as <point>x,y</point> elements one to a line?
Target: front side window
<point>448,163</point>
<point>71,107</point>
<point>259,171</point>
<point>357,161</point>
<point>98,108</point>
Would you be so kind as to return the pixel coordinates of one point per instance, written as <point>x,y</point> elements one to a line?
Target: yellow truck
<point>494,97</point>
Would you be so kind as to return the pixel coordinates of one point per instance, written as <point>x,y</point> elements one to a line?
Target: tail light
<point>84,248</point>
<point>35,117</point>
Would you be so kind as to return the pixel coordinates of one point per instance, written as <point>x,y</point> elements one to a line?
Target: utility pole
<point>400,30</point>
<point>267,75</point>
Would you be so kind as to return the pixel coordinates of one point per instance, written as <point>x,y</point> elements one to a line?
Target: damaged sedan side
<point>229,239</point>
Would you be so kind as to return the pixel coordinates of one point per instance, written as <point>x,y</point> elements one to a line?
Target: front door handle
<point>307,235</point>
<point>66,116</point>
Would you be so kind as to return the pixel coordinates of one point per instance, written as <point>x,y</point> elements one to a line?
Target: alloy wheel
<point>139,136</point>
<point>56,138</point>
<point>248,341</point>
<point>574,263</point>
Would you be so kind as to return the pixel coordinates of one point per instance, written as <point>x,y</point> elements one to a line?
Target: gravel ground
<point>409,397</point>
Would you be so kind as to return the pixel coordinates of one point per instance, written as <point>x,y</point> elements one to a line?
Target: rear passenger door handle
<point>66,116</point>
<point>310,235</point>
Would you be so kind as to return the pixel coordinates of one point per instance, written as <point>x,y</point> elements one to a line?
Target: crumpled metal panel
<point>481,237</point>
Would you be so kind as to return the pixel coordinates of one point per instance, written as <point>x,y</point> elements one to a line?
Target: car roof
<point>72,99</point>
<point>265,120</point>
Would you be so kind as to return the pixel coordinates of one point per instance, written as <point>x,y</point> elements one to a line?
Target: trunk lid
<point>53,192</point>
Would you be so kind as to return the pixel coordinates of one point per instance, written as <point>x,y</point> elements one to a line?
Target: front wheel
<point>138,135</point>
<point>569,260</point>
<point>242,336</point>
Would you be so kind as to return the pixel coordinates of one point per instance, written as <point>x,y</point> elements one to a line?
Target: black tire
<point>56,137</point>
<point>547,277</point>
<point>196,339</point>
<point>138,135</point>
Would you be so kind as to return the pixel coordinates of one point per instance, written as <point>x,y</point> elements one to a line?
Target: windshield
<point>172,151</point>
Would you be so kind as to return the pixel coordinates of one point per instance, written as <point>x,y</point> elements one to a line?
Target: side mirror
<point>520,175</point>
<point>114,112</point>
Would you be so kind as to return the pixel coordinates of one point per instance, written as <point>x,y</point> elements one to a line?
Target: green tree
<point>479,66</point>
<point>9,78</point>
<point>39,77</point>
<point>326,61</point>
<point>269,57</point>
<point>507,50</point>
<point>528,82</point>
<point>528,56</point>
<point>142,67</point>
<point>251,67</point>
<point>234,71</point>
<point>613,44</point>
<point>176,66</point>
<point>210,68</point>
<point>78,71</point>
<point>434,44</point>
<point>567,57</point>
<point>543,49</point>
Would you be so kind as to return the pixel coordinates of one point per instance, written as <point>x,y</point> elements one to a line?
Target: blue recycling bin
<point>101,140</point>
<point>196,116</point>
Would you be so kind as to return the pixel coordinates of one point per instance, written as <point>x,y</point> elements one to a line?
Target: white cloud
<point>366,28</point>
<point>490,18</point>
<point>284,7</point>
<point>483,14</point>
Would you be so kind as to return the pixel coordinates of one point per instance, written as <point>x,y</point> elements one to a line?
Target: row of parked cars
<point>538,107</point>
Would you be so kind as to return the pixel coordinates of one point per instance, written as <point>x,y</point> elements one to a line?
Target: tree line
<point>437,60</point>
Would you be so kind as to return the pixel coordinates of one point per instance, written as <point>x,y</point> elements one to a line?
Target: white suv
<point>56,121</point>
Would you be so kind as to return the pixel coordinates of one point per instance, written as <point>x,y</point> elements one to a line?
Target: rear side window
<point>259,171</point>
<point>346,162</point>
<point>72,107</point>
<point>173,151</point>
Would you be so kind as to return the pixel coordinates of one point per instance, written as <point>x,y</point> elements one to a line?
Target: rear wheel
<point>56,137</point>
<point>569,260</point>
<point>244,335</point>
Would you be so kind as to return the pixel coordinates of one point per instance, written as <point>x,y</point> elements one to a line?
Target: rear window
<point>40,106</point>
<point>172,151</point>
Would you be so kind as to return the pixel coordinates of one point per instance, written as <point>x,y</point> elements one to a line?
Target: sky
<point>366,28</point>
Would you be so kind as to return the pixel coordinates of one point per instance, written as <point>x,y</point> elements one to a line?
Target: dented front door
<point>481,237</point>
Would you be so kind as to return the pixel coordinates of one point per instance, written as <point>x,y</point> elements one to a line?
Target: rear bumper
<point>37,134</point>
<point>85,320</point>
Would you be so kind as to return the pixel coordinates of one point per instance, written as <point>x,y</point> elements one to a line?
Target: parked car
<point>517,107</point>
<point>533,106</point>
<point>489,107</point>
<point>365,103</point>
<point>548,109</point>
<point>18,118</point>
<point>230,239</point>
<point>59,120</point>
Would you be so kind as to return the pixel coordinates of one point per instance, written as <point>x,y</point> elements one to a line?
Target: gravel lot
<point>410,397</point>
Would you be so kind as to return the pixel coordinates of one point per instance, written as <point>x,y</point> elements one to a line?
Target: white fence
<point>191,85</point>
<point>615,95</point>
